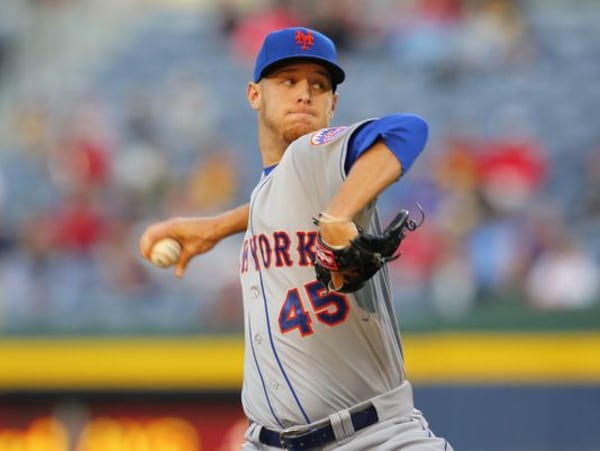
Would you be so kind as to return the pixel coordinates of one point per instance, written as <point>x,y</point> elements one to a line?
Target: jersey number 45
<point>330,309</point>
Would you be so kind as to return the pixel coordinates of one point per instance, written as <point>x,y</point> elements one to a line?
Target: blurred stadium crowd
<point>156,124</point>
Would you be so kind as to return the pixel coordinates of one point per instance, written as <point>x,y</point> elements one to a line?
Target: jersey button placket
<point>254,293</point>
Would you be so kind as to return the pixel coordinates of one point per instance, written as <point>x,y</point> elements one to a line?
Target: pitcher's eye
<point>320,86</point>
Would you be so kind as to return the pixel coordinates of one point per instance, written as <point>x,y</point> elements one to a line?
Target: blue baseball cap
<point>297,43</point>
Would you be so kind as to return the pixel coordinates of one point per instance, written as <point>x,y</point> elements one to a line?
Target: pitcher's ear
<point>333,106</point>
<point>253,94</point>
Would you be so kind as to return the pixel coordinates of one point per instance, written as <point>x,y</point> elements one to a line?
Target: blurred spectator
<point>228,14</point>
<point>5,47</point>
<point>456,174</point>
<point>456,166</point>
<point>82,156</point>
<point>12,25</point>
<point>78,224</point>
<point>140,176</point>
<point>2,193</point>
<point>591,184</point>
<point>186,115</point>
<point>495,249</point>
<point>24,271</point>
<point>413,270</point>
<point>563,275</point>
<point>140,119</point>
<point>422,35</point>
<point>511,172</point>
<point>494,33</point>
<point>121,271</point>
<point>447,38</point>
<point>453,283</point>
<point>34,125</point>
<point>341,20</point>
<point>251,29</point>
<point>213,183</point>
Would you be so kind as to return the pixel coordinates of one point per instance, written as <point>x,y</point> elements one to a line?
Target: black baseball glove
<point>364,256</point>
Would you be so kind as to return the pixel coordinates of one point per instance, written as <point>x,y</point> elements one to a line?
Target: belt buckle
<point>291,434</point>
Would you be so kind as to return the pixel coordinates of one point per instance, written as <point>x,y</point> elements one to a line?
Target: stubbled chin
<point>295,131</point>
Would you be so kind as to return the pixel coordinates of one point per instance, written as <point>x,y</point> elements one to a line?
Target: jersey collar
<point>267,170</point>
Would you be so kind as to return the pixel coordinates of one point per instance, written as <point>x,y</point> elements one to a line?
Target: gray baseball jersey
<point>309,353</point>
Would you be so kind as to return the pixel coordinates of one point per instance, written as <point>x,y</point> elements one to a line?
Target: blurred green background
<point>116,113</point>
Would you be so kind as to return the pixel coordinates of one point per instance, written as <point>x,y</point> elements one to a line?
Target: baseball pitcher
<point>323,364</point>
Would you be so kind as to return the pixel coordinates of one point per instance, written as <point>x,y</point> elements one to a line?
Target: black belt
<point>313,438</point>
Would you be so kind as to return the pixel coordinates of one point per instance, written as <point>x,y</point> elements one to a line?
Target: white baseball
<point>165,252</point>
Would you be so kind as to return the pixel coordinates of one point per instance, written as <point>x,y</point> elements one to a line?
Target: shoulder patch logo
<point>326,135</point>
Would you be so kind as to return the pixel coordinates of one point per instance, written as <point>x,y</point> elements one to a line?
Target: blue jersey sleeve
<point>404,134</point>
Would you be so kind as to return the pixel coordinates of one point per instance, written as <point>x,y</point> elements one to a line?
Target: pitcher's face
<point>294,100</point>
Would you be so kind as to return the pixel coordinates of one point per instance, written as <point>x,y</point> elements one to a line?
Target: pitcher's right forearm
<point>232,221</point>
<point>197,235</point>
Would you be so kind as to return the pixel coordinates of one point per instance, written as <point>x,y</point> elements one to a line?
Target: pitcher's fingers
<point>337,280</point>
<point>151,235</point>
<point>182,263</point>
<point>145,244</point>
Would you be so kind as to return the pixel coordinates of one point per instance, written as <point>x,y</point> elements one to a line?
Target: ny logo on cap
<point>304,40</point>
